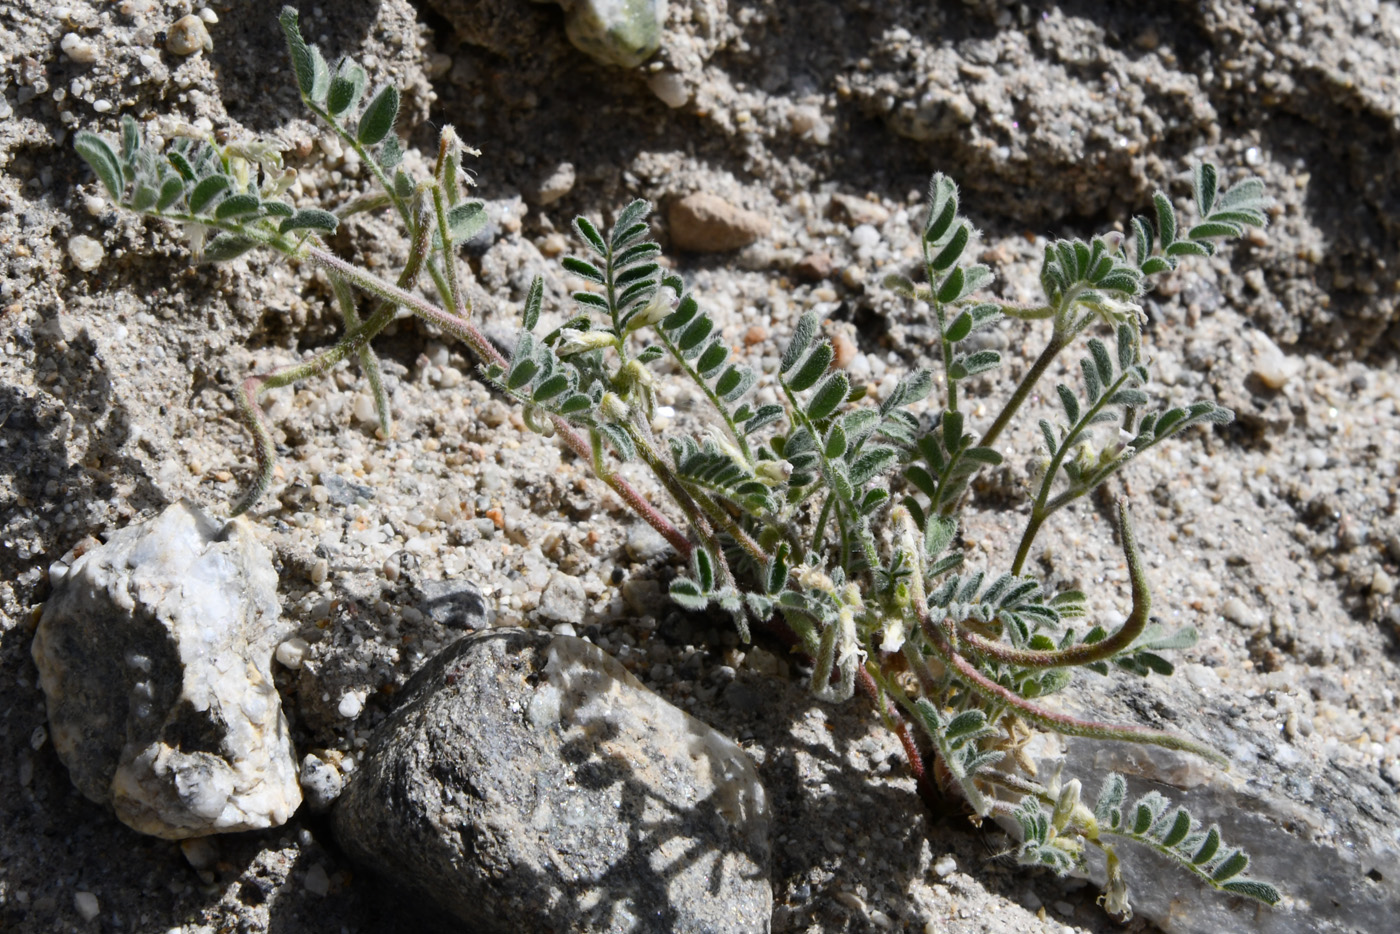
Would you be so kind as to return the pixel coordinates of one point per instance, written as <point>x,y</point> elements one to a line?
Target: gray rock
<point>527,782</point>
<point>614,32</point>
<point>155,656</point>
<point>341,491</point>
<point>321,782</point>
<point>563,600</point>
<point>1324,835</point>
<point>706,223</point>
<point>454,604</point>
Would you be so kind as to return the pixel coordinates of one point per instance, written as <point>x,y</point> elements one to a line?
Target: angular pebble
<point>155,654</point>
<point>563,600</point>
<point>645,543</point>
<point>85,252</point>
<point>556,185</point>
<point>527,782</point>
<point>188,35</point>
<point>455,604</point>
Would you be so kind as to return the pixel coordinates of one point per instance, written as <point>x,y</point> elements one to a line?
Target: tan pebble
<point>814,267</point>
<point>188,35</point>
<point>706,223</point>
<point>845,350</point>
<point>756,334</point>
<point>853,211</point>
<point>553,244</point>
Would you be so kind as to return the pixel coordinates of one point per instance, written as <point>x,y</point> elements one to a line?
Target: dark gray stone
<point>1323,833</point>
<point>527,782</point>
<point>454,604</point>
<point>341,491</point>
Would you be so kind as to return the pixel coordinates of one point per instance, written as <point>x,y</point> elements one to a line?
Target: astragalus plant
<point>833,514</point>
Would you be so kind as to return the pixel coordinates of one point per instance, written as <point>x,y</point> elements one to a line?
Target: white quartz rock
<point>155,654</point>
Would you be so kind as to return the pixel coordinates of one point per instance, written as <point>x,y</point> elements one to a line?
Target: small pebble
<point>364,408</point>
<point>351,705</point>
<point>808,122</point>
<point>317,881</point>
<point>200,852</point>
<point>864,237</point>
<point>321,782</point>
<point>78,49</point>
<point>189,35</point>
<point>945,867</point>
<point>1238,612</point>
<point>85,252</point>
<point>558,184</point>
<point>292,653</point>
<point>845,350</point>
<point>87,906</point>
<point>669,88</point>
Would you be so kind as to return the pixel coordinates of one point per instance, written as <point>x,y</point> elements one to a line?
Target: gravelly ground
<point>1277,538</point>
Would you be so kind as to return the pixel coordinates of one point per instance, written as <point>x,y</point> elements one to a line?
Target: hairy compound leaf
<point>801,339</point>
<point>98,154</point>
<point>766,415</point>
<point>1251,888</point>
<point>310,219</point>
<point>466,220</point>
<point>206,191</point>
<point>346,88</point>
<point>583,268</point>
<point>1068,400</point>
<point>226,246</point>
<point>951,253</point>
<point>812,368</point>
<point>1206,184</point>
<point>171,190</point>
<point>238,205</point>
<point>1209,845</point>
<point>379,116</point>
<point>1166,218</point>
<point>829,396</point>
<point>534,301</point>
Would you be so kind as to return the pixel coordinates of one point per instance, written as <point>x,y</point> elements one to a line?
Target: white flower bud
<point>572,342</point>
<point>613,408</point>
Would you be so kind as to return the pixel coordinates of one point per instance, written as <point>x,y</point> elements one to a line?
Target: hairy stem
<point>1084,653</point>
<point>943,638</point>
<point>1057,343</point>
